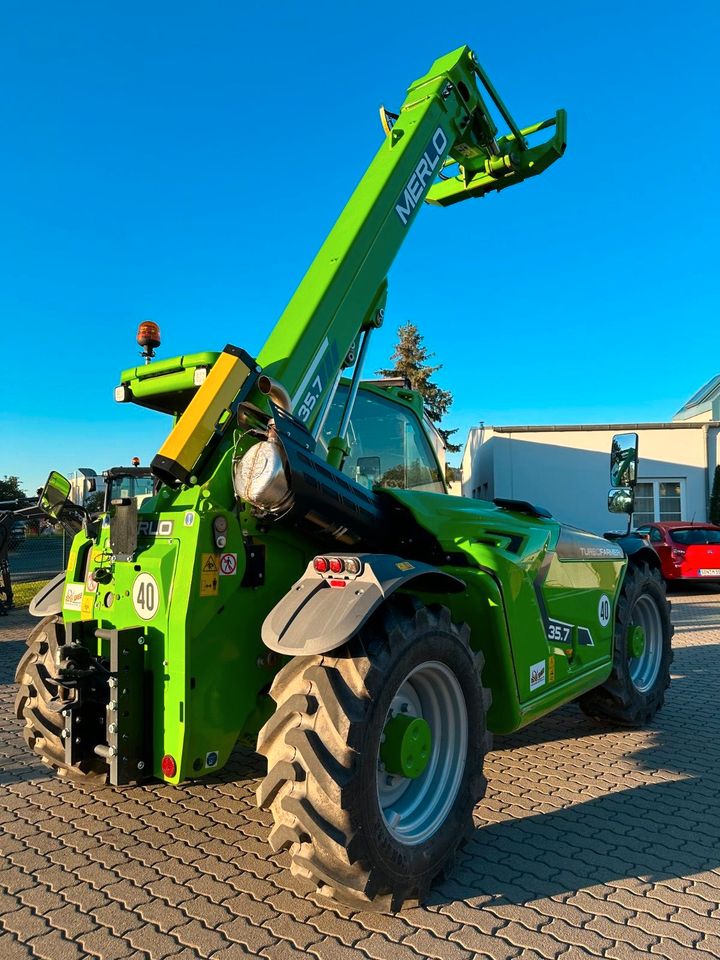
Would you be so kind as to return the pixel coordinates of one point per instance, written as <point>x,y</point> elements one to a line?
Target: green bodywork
<point>539,614</point>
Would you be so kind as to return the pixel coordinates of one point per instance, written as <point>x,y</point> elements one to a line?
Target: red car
<point>687,551</point>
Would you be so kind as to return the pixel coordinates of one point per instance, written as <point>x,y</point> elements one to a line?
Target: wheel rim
<point>645,667</point>
<point>413,809</point>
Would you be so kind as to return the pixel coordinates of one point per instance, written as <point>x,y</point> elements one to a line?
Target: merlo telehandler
<point>302,581</point>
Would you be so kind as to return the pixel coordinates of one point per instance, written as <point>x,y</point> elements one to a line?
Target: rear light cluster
<point>678,553</point>
<point>349,565</point>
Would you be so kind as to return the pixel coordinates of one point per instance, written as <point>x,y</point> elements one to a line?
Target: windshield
<point>131,487</point>
<point>694,536</point>
<point>388,447</point>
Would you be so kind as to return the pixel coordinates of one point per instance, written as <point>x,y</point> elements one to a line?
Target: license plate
<point>709,573</point>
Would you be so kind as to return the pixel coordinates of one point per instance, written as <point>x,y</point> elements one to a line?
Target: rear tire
<point>635,689</point>
<point>41,699</point>
<point>361,834</point>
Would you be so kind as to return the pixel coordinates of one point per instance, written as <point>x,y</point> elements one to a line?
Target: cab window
<point>132,486</point>
<point>388,447</point>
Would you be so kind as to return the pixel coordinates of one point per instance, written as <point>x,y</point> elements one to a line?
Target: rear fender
<point>638,550</point>
<point>319,614</point>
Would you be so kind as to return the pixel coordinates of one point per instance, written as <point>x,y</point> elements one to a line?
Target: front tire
<point>635,689</point>
<point>357,825</point>
<point>41,699</point>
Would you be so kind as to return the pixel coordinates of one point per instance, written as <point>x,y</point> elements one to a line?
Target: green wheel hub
<point>406,748</point>
<point>636,642</point>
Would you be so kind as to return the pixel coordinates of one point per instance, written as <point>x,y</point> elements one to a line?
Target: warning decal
<point>228,564</point>
<point>86,607</point>
<point>208,584</point>
<point>210,563</point>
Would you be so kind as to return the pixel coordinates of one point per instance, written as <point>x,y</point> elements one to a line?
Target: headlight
<point>259,477</point>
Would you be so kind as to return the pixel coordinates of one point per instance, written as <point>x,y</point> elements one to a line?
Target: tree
<point>714,511</point>
<point>10,489</point>
<point>94,502</point>
<point>411,362</point>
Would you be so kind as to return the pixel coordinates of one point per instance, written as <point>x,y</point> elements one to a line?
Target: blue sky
<point>184,164</point>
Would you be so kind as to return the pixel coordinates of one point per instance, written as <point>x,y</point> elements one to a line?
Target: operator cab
<point>388,445</point>
<point>135,483</point>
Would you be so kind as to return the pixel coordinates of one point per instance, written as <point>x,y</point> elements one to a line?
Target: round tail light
<point>336,565</point>
<point>321,565</point>
<point>168,766</point>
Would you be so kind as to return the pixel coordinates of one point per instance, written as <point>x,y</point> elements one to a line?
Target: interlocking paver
<point>482,944</point>
<point>199,938</point>
<point>626,933</point>
<point>245,932</point>
<point>165,916</point>
<point>591,842</point>
<point>519,936</point>
<point>279,951</point>
<point>378,948</point>
<point>625,951</point>
<point>13,949</point>
<point>54,946</point>
<point>300,934</point>
<point>428,945</point>
<point>24,923</point>
<point>329,949</point>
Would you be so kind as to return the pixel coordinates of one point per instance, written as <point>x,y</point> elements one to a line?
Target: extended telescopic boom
<point>444,121</point>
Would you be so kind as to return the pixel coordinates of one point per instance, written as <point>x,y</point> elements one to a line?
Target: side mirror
<point>624,460</point>
<point>54,495</point>
<point>621,500</point>
<point>623,473</point>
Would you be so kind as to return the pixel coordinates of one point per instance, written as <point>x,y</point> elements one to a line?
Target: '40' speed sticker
<point>604,610</point>
<point>145,596</point>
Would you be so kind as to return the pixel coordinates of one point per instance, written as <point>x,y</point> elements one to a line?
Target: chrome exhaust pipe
<point>276,391</point>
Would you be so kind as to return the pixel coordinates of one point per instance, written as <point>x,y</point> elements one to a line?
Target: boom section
<point>343,292</point>
<point>443,123</point>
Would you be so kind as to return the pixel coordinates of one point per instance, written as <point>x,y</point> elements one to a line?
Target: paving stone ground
<point>591,842</point>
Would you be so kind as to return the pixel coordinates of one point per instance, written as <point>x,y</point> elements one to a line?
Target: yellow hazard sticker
<point>210,562</point>
<point>208,584</point>
<point>404,565</point>
<point>551,669</point>
<point>86,607</point>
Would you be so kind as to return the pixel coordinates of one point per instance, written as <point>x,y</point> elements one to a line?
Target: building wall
<point>568,470</point>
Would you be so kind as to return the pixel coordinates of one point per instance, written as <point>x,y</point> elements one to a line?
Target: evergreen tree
<point>714,511</point>
<point>411,362</point>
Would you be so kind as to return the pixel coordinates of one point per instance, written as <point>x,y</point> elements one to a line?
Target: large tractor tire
<point>635,689</point>
<point>41,699</point>
<point>375,757</point>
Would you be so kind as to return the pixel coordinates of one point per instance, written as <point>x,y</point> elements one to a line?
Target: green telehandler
<point>300,579</point>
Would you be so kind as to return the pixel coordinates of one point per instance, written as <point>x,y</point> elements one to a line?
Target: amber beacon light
<point>148,337</point>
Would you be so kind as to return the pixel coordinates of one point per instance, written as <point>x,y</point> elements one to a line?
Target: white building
<point>566,469</point>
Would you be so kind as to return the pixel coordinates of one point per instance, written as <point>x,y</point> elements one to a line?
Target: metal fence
<point>35,559</point>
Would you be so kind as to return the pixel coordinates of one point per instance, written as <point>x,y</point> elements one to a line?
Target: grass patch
<point>24,592</point>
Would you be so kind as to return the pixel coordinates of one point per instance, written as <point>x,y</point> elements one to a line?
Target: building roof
<point>705,400</point>
<point>585,427</point>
